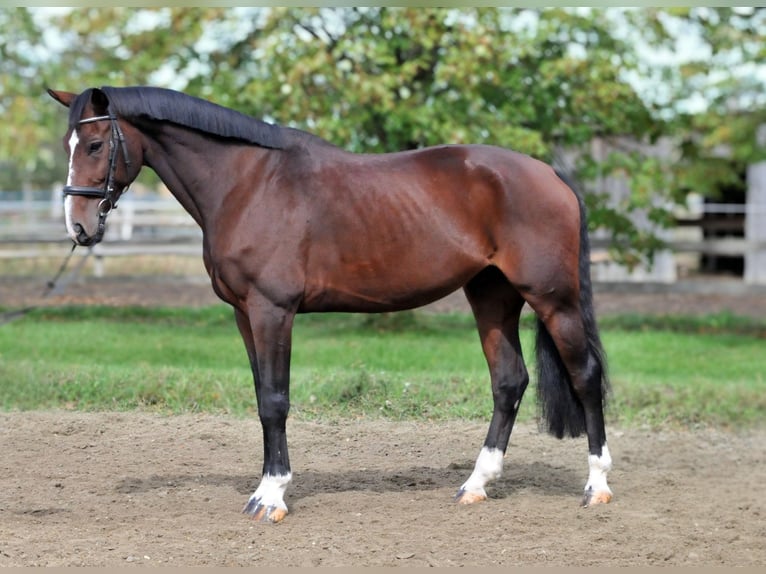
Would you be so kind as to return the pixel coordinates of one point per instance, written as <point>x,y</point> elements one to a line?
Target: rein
<point>50,287</point>
<point>107,193</point>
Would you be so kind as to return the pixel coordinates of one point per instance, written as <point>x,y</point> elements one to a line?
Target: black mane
<point>191,112</point>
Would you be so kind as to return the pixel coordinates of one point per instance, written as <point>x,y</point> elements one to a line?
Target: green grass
<point>665,371</point>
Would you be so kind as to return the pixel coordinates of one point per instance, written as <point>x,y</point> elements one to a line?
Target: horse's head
<point>103,162</point>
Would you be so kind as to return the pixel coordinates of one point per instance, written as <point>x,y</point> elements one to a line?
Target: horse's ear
<point>64,98</point>
<point>99,101</point>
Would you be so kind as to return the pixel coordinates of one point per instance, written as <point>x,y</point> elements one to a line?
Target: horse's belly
<point>397,289</point>
<point>340,300</point>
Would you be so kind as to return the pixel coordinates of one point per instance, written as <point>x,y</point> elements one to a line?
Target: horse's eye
<point>95,147</point>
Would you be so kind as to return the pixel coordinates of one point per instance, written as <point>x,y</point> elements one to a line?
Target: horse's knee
<point>273,409</point>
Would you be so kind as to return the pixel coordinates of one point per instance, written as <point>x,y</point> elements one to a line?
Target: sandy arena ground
<point>111,489</point>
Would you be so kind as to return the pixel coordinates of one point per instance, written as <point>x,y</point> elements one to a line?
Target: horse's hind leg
<point>496,306</point>
<point>574,402</point>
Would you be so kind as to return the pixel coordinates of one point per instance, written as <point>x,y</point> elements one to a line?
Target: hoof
<point>263,513</point>
<point>468,497</point>
<point>592,497</point>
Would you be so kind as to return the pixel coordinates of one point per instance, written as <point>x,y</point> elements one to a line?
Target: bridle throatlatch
<point>106,193</point>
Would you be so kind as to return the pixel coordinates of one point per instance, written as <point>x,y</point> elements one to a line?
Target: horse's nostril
<point>82,237</point>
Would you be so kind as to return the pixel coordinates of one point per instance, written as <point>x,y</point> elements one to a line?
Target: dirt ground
<point>113,489</point>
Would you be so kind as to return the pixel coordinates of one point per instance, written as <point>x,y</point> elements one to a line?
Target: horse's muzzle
<point>82,238</point>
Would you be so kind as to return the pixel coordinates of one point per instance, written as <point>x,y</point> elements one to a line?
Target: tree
<point>717,96</point>
<point>26,152</point>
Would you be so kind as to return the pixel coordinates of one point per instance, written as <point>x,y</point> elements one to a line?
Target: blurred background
<point>659,113</point>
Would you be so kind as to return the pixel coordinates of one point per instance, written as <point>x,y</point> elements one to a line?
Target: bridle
<point>107,193</point>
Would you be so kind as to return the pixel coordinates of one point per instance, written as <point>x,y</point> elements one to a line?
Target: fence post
<point>98,264</point>
<point>57,203</point>
<point>755,224</point>
<point>128,208</point>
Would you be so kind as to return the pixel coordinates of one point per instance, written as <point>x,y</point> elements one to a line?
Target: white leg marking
<point>489,466</point>
<point>73,141</point>
<point>271,491</point>
<point>599,467</point>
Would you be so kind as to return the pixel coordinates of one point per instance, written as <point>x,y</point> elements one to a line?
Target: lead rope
<point>49,288</point>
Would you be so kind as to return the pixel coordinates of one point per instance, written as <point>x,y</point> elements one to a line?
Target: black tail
<point>559,405</point>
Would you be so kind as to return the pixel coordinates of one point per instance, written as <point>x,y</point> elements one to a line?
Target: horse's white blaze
<point>599,467</point>
<point>74,140</point>
<point>271,490</point>
<point>489,466</point>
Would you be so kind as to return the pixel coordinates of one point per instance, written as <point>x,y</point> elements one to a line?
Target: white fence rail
<point>161,220</point>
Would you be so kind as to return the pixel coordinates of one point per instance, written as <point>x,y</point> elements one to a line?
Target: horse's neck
<point>193,168</point>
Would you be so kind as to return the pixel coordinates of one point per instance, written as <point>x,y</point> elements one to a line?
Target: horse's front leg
<point>267,331</point>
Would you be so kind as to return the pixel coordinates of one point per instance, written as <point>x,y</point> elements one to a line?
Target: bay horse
<point>293,224</point>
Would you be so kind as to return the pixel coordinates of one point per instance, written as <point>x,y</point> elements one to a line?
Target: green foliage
<point>425,77</point>
<point>631,244</point>
<point>28,148</point>
<point>724,72</point>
